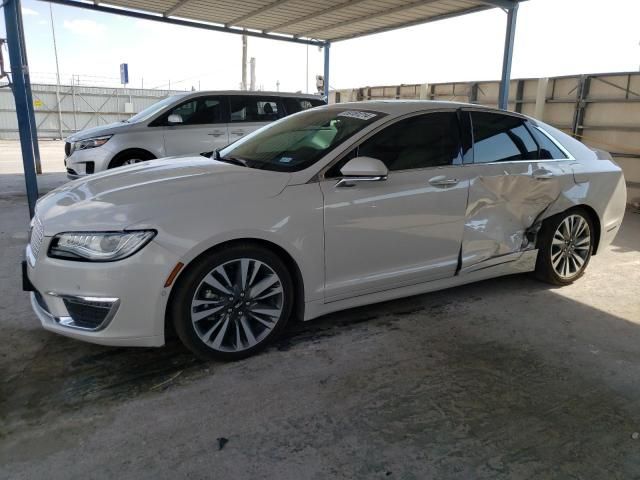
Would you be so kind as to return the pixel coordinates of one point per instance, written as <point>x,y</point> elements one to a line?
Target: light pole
<point>55,52</point>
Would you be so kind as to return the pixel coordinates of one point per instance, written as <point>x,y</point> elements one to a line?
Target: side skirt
<point>520,262</point>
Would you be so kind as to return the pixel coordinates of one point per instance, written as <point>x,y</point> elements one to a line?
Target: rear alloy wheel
<point>565,248</point>
<point>233,303</point>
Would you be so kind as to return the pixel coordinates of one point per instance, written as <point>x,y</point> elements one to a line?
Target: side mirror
<point>362,169</point>
<point>174,118</point>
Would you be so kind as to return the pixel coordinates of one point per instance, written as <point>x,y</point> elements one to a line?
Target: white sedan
<point>328,209</point>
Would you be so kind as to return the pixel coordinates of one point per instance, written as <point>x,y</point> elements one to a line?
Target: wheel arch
<point>595,219</point>
<point>130,151</point>
<point>290,263</point>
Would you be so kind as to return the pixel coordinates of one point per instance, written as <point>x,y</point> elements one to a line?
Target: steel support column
<point>27,86</point>
<point>327,47</point>
<point>19,68</point>
<point>503,96</point>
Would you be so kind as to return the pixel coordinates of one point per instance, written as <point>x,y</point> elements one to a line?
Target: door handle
<point>352,181</point>
<point>215,134</point>
<point>542,174</point>
<point>442,181</point>
<point>237,133</point>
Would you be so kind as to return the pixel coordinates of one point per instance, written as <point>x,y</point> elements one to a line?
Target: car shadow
<point>511,342</point>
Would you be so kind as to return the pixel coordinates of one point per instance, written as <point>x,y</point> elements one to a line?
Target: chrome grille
<point>37,235</point>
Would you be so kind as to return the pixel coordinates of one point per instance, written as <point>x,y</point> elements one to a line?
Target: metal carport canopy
<point>299,21</point>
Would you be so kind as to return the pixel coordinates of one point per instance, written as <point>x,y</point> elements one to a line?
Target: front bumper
<point>85,162</point>
<point>118,303</point>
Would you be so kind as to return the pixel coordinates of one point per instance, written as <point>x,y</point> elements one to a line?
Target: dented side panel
<point>505,200</point>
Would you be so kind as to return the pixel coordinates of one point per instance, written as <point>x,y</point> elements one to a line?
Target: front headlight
<point>99,246</point>
<point>91,142</point>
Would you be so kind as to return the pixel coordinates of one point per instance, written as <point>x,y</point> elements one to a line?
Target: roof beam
<point>184,23</point>
<point>258,11</point>
<point>420,21</point>
<point>373,16</point>
<point>320,13</point>
<point>175,7</point>
<point>500,3</point>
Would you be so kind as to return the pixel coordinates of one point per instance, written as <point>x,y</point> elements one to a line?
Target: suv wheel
<point>130,158</point>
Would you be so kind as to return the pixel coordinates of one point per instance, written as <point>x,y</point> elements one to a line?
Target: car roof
<point>198,93</point>
<point>401,107</point>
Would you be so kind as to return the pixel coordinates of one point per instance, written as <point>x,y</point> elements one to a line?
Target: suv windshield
<point>153,109</point>
<point>296,142</point>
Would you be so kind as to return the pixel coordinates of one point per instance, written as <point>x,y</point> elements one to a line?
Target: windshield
<point>298,141</point>
<point>153,109</point>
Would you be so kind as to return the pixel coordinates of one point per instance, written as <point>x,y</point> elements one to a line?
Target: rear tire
<point>565,245</point>
<point>231,303</point>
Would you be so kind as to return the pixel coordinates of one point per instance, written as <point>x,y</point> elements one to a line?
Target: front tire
<point>565,247</point>
<point>232,302</point>
<point>130,157</point>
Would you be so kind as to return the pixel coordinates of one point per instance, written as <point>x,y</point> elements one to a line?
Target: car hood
<point>152,191</point>
<point>109,129</point>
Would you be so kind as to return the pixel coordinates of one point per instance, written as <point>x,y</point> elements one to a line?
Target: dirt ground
<point>503,379</point>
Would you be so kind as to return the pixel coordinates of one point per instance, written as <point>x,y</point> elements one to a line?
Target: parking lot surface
<point>506,378</point>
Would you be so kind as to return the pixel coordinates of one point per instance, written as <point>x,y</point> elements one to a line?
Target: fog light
<point>87,313</point>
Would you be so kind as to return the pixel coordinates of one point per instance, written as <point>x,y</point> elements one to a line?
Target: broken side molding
<point>525,259</point>
<point>520,262</point>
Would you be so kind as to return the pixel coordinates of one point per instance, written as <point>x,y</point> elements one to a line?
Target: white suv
<point>186,123</point>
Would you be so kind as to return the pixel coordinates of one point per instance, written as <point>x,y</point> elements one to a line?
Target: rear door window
<point>254,109</point>
<point>548,149</point>
<point>501,138</point>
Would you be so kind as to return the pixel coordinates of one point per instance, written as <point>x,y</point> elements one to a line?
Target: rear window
<point>548,149</point>
<point>295,105</point>
<point>254,109</point>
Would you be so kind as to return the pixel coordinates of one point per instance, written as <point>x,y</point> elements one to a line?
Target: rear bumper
<point>613,214</point>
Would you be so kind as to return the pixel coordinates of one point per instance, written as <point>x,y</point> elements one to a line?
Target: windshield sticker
<point>286,160</point>
<point>357,114</point>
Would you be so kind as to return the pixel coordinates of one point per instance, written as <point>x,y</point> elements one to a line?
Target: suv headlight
<point>91,142</point>
<point>99,246</point>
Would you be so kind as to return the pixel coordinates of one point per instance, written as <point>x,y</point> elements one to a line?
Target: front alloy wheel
<point>131,161</point>
<point>232,303</point>
<point>237,305</point>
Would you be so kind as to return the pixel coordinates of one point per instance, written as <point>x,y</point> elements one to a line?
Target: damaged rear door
<point>515,182</point>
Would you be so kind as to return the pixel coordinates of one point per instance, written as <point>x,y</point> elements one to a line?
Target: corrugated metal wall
<point>80,107</point>
<point>603,110</point>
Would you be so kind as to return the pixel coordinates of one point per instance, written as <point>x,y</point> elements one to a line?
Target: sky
<point>553,37</point>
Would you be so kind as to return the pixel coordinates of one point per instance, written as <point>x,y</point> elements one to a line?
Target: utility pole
<point>243,85</point>
<point>277,85</point>
<point>73,102</point>
<point>253,73</point>
<point>55,52</point>
<point>3,72</point>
